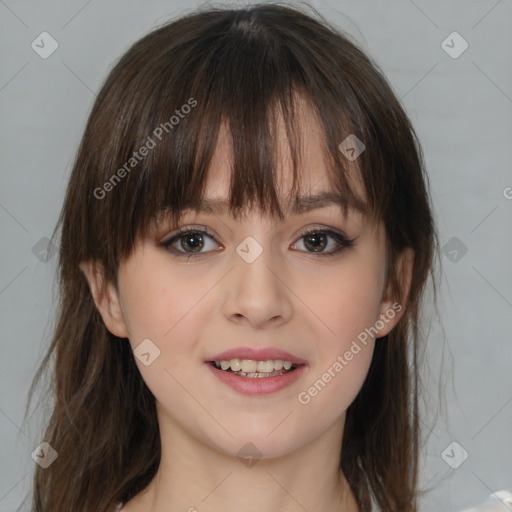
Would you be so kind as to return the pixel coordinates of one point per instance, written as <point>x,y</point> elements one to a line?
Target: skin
<point>290,298</point>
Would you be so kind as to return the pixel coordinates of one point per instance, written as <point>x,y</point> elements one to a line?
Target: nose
<point>256,291</point>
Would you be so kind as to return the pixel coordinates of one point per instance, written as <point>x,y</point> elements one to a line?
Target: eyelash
<point>342,241</point>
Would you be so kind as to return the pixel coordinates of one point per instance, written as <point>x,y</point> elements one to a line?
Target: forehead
<point>314,189</point>
<point>217,205</point>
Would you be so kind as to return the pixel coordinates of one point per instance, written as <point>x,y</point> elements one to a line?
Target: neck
<point>196,477</point>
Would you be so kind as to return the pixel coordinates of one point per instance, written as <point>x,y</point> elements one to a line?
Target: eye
<point>190,241</point>
<point>316,240</point>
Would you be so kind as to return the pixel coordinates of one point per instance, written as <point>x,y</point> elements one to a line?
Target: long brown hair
<point>235,66</point>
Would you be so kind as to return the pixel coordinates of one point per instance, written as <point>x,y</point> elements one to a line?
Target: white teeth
<point>265,366</point>
<point>236,364</point>
<point>248,365</point>
<point>252,366</point>
<point>278,364</point>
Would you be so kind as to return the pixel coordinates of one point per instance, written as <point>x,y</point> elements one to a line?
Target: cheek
<point>168,305</point>
<point>348,301</point>
<point>168,310</point>
<point>158,300</point>
<point>345,300</point>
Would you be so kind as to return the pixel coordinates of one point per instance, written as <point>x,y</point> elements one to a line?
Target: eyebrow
<point>302,204</point>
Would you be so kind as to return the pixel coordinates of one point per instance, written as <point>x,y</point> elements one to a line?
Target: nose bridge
<point>256,290</point>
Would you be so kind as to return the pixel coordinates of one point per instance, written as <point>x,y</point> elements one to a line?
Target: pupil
<point>316,238</point>
<point>189,239</point>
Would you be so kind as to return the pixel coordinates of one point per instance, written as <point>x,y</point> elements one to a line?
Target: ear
<point>106,298</point>
<point>392,308</point>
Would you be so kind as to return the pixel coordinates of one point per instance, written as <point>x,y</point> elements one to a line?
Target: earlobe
<point>392,307</point>
<point>106,298</point>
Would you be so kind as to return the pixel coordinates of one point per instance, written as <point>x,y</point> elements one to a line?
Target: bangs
<point>170,96</point>
<point>254,146</point>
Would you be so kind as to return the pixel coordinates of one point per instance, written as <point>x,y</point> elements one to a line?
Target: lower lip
<point>258,385</point>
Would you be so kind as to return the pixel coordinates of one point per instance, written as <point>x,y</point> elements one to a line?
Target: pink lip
<point>256,386</point>
<point>262,354</point>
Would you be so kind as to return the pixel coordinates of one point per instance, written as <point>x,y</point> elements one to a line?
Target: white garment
<point>500,501</point>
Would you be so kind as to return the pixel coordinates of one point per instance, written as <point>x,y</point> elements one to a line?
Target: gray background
<point>462,110</point>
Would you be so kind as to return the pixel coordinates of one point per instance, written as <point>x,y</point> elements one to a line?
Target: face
<point>319,299</point>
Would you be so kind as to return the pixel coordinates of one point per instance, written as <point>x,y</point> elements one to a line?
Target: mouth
<point>259,371</point>
<point>253,369</point>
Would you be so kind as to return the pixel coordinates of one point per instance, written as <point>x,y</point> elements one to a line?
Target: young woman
<point>246,239</point>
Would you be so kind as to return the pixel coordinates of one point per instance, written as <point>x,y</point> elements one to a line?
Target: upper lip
<point>260,354</point>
